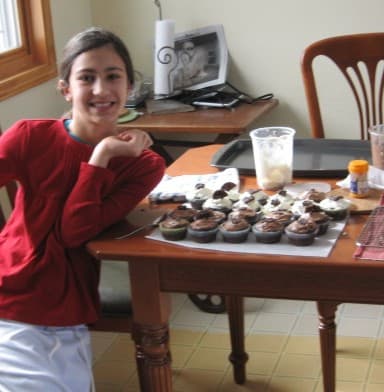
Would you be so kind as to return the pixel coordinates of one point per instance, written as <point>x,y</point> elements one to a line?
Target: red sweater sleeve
<point>103,196</point>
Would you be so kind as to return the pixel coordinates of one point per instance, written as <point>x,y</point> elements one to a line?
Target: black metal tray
<point>311,157</point>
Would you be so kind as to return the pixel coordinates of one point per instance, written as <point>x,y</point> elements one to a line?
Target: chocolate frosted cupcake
<point>197,196</point>
<point>183,212</point>
<point>322,221</point>
<point>268,230</point>
<point>234,230</point>
<point>302,231</point>
<point>312,194</point>
<point>247,213</point>
<point>215,215</point>
<point>203,230</point>
<point>173,229</point>
<point>285,217</point>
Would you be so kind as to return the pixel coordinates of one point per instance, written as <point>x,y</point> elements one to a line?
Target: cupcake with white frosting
<point>198,195</point>
<point>335,206</point>
<point>219,201</point>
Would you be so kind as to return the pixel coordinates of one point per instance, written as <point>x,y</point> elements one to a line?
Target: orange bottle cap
<point>358,166</point>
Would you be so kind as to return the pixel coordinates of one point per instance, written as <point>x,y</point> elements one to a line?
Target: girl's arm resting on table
<point>98,199</point>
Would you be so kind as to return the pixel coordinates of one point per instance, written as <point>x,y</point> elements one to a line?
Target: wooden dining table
<point>158,268</point>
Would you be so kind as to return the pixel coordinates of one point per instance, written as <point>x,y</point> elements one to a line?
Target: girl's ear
<point>63,87</point>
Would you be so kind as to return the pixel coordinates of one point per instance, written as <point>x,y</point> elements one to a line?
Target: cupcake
<point>312,194</point>
<point>336,207</point>
<point>322,221</point>
<point>302,231</point>
<point>268,230</point>
<point>257,194</point>
<point>301,207</point>
<point>234,230</point>
<point>285,217</point>
<point>215,215</point>
<point>203,230</point>
<point>247,213</point>
<point>254,199</point>
<point>279,201</point>
<point>232,191</point>
<point>173,229</point>
<point>219,201</point>
<point>198,195</point>
<point>183,212</point>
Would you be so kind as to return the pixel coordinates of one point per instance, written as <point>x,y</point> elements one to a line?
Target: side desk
<point>157,268</point>
<point>226,124</point>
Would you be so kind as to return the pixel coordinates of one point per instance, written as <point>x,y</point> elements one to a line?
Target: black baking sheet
<point>311,157</point>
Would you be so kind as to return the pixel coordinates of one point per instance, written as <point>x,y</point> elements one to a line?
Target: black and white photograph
<point>201,58</point>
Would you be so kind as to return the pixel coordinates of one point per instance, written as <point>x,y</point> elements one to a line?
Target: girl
<point>76,177</point>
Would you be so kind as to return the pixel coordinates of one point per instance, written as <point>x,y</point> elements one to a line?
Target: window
<point>27,54</point>
<point>9,25</point>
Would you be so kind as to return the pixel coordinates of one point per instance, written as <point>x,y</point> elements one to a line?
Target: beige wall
<point>265,40</point>
<point>68,17</point>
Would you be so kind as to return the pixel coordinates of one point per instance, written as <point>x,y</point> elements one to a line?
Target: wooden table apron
<point>157,268</point>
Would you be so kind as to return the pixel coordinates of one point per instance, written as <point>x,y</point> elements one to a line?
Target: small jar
<point>358,170</point>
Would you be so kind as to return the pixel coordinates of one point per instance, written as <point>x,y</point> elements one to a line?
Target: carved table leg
<point>153,358</point>
<point>238,356</point>
<point>327,331</point>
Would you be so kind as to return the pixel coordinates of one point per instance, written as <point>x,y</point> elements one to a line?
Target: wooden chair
<point>357,56</point>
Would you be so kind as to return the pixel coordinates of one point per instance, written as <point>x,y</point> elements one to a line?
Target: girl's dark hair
<point>89,39</point>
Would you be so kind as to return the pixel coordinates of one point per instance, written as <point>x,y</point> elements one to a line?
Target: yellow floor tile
<point>379,350</point>
<point>121,347</point>
<point>216,340</point>
<point>375,388</point>
<point>343,386</point>
<point>209,359</point>
<point>180,355</point>
<point>253,383</point>
<point>261,362</point>
<point>291,384</point>
<point>196,380</point>
<point>266,343</point>
<point>114,372</point>
<point>354,346</point>
<point>352,369</point>
<point>100,343</point>
<point>298,365</point>
<point>377,372</point>
<point>186,337</point>
<point>303,345</point>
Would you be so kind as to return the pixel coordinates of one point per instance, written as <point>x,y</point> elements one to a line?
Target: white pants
<point>44,359</point>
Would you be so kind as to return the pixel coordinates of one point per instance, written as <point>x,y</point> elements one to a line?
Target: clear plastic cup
<point>376,134</point>
<point>273,155</point>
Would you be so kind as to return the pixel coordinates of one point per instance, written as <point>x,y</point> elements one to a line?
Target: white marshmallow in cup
<point>273,156</point>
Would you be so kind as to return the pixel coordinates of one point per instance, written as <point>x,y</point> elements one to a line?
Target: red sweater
<point>46,275</point>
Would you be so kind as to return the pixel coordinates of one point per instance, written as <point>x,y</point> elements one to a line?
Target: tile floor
<point>281,340</point>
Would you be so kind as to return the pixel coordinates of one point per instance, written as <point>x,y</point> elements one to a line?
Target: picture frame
<point>202,58</point>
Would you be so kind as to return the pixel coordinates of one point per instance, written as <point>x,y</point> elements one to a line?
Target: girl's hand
<point>128,143</point>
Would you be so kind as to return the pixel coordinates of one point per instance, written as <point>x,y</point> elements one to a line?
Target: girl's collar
<point>67,125</point>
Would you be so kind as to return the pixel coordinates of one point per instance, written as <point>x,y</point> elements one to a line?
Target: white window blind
<point>9,26</point>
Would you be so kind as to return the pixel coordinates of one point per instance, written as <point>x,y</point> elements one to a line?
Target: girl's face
<point>98,88</point>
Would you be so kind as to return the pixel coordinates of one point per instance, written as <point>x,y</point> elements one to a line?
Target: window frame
<point>34,62</point>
